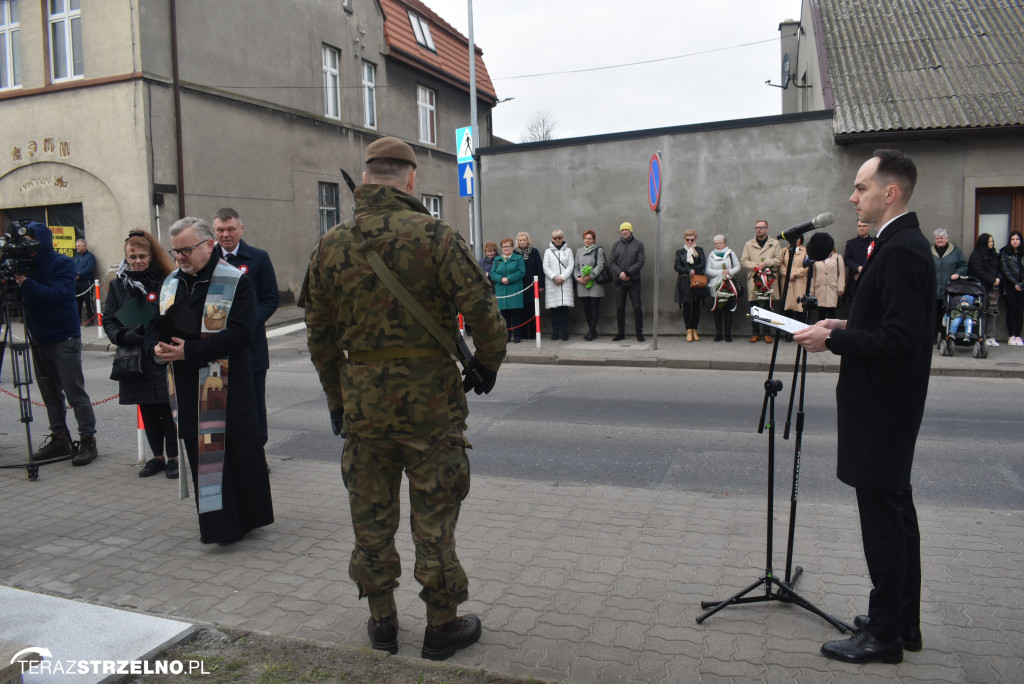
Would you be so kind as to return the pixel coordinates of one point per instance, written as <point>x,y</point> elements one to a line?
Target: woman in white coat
<point>558,297</point>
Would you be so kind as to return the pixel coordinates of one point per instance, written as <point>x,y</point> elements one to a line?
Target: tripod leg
<point>716,606</point>
<point>787,595</point>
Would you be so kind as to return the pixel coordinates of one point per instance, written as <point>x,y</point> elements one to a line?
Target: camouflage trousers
<point>438,472</point>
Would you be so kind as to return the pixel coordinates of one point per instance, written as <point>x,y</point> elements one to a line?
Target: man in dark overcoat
<point>255,263</point>
<point>886,348</point>
<point>855,256</point>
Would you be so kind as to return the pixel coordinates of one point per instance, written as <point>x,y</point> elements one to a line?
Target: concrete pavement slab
<point>76,633</point>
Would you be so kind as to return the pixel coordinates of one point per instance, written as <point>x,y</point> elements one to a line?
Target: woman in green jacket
<point>507,274</point>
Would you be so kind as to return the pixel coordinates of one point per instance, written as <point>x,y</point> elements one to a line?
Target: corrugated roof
<point>451,60</point>
<point>904,65</point>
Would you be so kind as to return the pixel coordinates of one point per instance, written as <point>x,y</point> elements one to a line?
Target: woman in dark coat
<point>1011,260</point>
<point>984,265</point>
<point>534,267</point>
<point>690,259</point>
<point>137,283</point>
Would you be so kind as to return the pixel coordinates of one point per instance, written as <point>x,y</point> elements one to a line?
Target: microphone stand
<point>774,588</point>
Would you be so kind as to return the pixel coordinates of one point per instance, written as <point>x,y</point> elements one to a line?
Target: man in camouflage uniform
<point>397,396</point>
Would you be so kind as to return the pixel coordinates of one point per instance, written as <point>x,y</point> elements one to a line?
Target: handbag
<point>605,276</point>
<point>127,363</point>
<point>697,281</point>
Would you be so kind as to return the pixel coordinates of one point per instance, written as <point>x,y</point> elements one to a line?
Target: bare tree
<point>541,127</point>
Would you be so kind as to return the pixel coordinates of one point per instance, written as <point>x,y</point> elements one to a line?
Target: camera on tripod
<point>809,301</point>
<point>17,250</point>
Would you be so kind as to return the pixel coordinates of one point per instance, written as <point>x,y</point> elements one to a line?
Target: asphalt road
<point>650,428</point>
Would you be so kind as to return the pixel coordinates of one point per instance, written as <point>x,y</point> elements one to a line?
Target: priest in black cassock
<point>208,313</point>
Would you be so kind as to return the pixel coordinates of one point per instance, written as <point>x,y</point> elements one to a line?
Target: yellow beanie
<point>626,225</point>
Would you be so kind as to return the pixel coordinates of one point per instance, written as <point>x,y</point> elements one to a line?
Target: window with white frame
<point>332,82</point>
<point>66,39</point>
<point>427,101</point>
<point>421,29</point>
<point>369,95</point>
<point>10,45</point>
<point>328,201</point>
<point>433,205</point>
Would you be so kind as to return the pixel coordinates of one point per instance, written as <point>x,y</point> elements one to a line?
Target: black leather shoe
<point>383,634</point>
<point>639,337</point>
<point>590,336</point>
<point>440,642</point>
<point>911,635</point>
<point>864,648</point>
<point>619,337</point>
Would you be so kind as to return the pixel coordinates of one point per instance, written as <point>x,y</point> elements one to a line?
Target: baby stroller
<point>964,321</point>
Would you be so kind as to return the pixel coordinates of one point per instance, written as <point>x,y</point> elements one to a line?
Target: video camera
<point>17,250</point>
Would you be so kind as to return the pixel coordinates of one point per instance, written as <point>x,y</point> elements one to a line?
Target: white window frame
<point>328,201</point>
<point>10,45</point>
<point>332,81</point>
<point>432,204</point>
<point>370,94</point>
<point>426,101</point>
<point>421,29</point>
<point>68,20</point>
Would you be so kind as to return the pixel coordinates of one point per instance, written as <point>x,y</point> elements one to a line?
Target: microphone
<point>819,221</point>
<point>819,246</point>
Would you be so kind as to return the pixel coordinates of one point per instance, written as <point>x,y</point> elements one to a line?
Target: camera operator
<point>51,315</point>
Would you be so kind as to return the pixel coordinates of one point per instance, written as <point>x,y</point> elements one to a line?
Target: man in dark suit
<point>256,264</point>
<point>855,256</point>
<point>886,349</point>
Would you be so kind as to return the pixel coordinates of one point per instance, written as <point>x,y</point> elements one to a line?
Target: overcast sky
<point>541,36</point>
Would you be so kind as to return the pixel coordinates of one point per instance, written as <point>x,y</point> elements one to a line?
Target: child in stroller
<point>964,322</point>
<point>967,313</point>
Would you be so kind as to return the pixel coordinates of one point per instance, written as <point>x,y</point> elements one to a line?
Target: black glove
<point>132,337</point>
<point>338,422</point>
<point>478,378</point>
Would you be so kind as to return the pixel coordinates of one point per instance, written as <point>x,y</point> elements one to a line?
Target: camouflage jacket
<point>348,308</point>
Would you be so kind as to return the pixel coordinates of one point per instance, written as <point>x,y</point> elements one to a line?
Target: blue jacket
<point>85,264</point>
<point>256,264</point>
<point>49,293</point>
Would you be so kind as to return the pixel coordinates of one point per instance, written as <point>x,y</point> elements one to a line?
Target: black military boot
<point>86,451</point>
<point>383,634</point>
<point>54,446</point>
<point>440,642</point>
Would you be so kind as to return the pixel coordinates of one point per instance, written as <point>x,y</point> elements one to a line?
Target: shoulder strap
<point>405,297</point>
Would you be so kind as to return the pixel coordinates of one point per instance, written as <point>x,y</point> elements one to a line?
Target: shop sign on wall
<point>34,150</point>
<point>64,240</point>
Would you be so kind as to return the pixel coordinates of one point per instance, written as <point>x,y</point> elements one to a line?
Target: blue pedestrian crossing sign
<point>466,178</point>
<point>464,144</point>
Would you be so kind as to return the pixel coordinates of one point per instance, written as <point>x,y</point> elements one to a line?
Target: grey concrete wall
<point>714,181</point>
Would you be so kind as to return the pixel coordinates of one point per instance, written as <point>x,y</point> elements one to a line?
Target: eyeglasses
<point>557,239</point>
<point>185,251</point>
<point>691,239</point>
<point>138,257</point>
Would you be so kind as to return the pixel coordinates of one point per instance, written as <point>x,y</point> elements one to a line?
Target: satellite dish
<point>785,71</point>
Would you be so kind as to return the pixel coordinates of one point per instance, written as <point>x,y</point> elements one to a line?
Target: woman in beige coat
<point>829,284</point>
<point>797,282</point>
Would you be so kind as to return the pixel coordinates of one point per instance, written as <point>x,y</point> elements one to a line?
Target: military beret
<point>390,148</point>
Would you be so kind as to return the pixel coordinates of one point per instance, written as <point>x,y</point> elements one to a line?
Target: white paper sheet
<point>767,317</point>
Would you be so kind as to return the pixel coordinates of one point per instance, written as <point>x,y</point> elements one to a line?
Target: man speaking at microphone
<point>886,348</point>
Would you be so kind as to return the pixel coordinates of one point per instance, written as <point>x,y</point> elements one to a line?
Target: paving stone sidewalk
<point>574,583</point>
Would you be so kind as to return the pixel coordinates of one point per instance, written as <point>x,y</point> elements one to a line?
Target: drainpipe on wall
<point>177,109</point>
